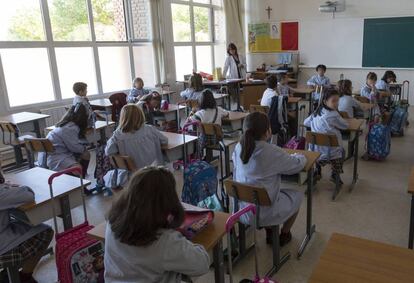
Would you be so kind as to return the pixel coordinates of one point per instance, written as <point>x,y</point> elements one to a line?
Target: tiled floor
<point>377,209</point>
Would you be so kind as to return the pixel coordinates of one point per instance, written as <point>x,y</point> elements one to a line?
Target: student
<point>346,102</point>
<point>21,244</point>
<point>234,64</point>
<point>68,139</point>
<point>137,91</point>
<point>209,111</point>
<point>135,139</point>
<point>327,120</point>
<point>81,90</point>
<point>319,80</point>
<point>195,87</point>
<point>271,83</point>
<point>283,85</point>
<point>369,90</point>
<point>150,104</point>
<point>388,78</point>
<point>150,250</point>
<point>259,163</point>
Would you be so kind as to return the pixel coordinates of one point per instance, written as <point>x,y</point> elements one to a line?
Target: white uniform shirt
<point>267,97</point>
<point>207,115</point>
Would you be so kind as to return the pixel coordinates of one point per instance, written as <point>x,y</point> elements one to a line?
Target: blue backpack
<point>379,142</point>
<point>398,120</point>
<point>200,186</point>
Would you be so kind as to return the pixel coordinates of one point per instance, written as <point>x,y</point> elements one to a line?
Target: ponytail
<point>256,125</point>
<point>325,95</point>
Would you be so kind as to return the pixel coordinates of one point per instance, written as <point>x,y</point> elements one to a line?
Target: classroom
<point>206,141</point>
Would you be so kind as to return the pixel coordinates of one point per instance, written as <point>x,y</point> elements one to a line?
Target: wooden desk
<point>252,91</point>
<point>67,190</point>
<point>311,157</point>
<point>355,127</point>
<point>305,91</point>
<point>222,98</point>
<point>102,103</point>
<point>174,112</point>
<point>168,94</point>
<point>174,150</point>
<point>103,127</point>
<point>350,259</point>
<point>235,120</point>
<point>234,83</point>
<point>411,192</point>
<point>210,238</point>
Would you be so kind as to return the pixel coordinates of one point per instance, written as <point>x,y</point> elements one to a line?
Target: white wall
<point>322,39</point>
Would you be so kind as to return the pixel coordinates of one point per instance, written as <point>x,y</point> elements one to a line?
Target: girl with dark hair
<point>388,78</point>
<point>346,102</point>
<point>141,241</point>
<point>234,64</point>
<point>150,105</point>
<point>370,91</point>
<point>209,111</point>
<point>68,139</point>
<point>327,120</point>
<point>259,163</point>
<point>195,87</point>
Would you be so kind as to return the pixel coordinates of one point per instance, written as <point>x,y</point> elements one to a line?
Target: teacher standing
<point>234,66</point>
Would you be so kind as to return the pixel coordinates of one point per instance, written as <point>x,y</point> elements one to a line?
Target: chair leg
<point>337,186</point>
<point>13,273</point>
<point>277,260</point>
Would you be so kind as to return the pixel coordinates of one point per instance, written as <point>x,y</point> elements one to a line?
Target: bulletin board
<point>273,37</point>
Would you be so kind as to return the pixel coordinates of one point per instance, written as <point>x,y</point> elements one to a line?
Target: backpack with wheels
<point>279,119</point>
<point>398,120</point>
<point>379,142</point>
<point>298,141</point>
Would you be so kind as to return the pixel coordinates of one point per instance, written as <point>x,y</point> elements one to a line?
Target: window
<point>195,27</point>
<point>69,20</point>
<point>27,75</point>
<point>21,20</point>
<point>75,64</point>
<point>105,47</point>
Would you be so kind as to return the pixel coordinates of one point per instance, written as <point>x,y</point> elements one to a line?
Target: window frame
<point>49,44</point>
<point>193,43</point>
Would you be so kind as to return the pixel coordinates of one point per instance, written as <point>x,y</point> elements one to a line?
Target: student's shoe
<point>285,238</point>
<point>333,179</point>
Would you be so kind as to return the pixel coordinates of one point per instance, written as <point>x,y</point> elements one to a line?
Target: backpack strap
<point>215,116</point>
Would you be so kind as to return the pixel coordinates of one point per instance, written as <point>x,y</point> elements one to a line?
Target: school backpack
<point>379,141</point>
<point>278,118</point>
<point>200,186</point>
<point>103,165</point>
<point>299,141</point>
<point>398,120</point>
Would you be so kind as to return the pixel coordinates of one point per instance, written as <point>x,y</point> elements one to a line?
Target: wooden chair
<point>36,145</point>
<point>213,137</point>
<point>344,114</point>
<point>362,99</point>
<point>319,139</point>
<point>122,162</point>
<point>118,100</point>
<point>14,140</point>
<point>259,108</point>
<point>259,197</point>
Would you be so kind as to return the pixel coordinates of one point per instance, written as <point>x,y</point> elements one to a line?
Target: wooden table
<point>235,120</point>
<point>173,113</point>
<point>67,191</point>
<point>222,98</point>
<point>210,238</point>
<point>411,192</point>
<point>167,93</point>
<point>355,127</point>
<point>175,149</point>
<point>252,91</point>
<point>234,83</point>
<point>307,91</point>
<point>311,157</point>
<point>350,259</point>
<point>102,127</point>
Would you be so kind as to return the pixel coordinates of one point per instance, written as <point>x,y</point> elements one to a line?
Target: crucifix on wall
<point>269,10</point>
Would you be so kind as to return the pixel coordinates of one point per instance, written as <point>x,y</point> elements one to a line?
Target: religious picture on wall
<point>275,30</point>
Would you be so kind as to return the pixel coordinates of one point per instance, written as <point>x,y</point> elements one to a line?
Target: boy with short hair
<point>271,82</point>
<point>81,90</point>
<point>283,84</point>
<point>319,80</point>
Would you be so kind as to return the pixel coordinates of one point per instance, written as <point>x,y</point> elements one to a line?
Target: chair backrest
<point>118,100</point>
<point>123,162</point>
<point>321,139</point>
<point>247,193</point>
<point>10,129</point>
<point>362,99</point>
<point>259,108</point>
<point>212,130</point>
<point>344,114</point>
<point>39,145</point>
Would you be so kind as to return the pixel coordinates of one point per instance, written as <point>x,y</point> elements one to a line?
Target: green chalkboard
<point>389,42</point>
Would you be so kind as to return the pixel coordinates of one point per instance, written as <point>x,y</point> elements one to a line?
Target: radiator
<point>56,113</point>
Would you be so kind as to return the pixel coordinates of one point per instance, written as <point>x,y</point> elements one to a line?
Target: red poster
<point>290,36</point>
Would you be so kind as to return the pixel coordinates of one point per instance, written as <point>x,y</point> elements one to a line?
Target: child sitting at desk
<point>271,83</point>
<point>347,103</point>
<point>81,90</point>
<point>135,139</point>
<point>195,86</point>
<point>259,163</point>
<point>388,78</point>
<point>68,139</point>
<point>21,245</point>
<point>150,105</point>
<point>209,111</point>
<point>283,84</point>
<point>327,120</point>
<point>319,80</point>
<point>137,91</point>
<point>141,241</point>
